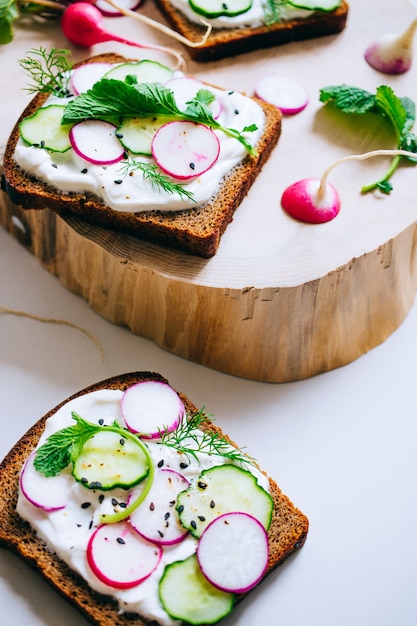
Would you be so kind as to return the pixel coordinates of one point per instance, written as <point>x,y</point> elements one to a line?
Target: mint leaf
<point>8,14</point>
<point>349,99</point>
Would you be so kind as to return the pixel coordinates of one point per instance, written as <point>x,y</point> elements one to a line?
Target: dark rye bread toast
<point>226,42</point>
<point>196,231</point>
<point>287,533</point>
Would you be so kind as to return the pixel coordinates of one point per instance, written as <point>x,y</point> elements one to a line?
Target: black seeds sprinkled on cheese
<point>193,524</point>
<point>119,135</point>
<point>84,480</point>
<point>230,93</point>
<point>167,514</point>
<point>95,485</point>
<point>90,525</point>
<point>54,165</point>
<point>180,508</point>
<point>42,144</point>
<point>85,505</point>
<point>122,505</point>
<point>118,181</point>
<point>183,465</point>
<point>224,5</point>
<point>152,506</point>
<point>101,498</point>
<point>101,422</point>
<point>122,442</point>
<point>172,503</point>
<point>114,502</point>
<point>212,504</point>
<point>84,171</point>
<point>192,166</point>
<point>201,484</point>
<point>201,518</point>
<point>160,463</point>
<point>237,111</point>
<point>78,525</point>
<point>120,540</point>
<point>160,533</point>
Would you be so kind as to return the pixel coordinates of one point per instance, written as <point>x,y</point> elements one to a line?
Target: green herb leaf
<point>400,112</point>
<point>50,71</point>
<point>109,99</point>
<point>152,173</point>
<point>8,14</point>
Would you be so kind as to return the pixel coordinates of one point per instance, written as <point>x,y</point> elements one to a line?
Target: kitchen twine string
<point>47,320</point>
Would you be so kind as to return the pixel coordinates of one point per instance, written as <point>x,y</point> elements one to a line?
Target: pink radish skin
<point>109,11</point>
<point>85,76</point>
<point>185,150</point>
<point>185,88</point>
<point>233,552</point>
<point>303,201</point>
<point>156,519</point>
<point>285,93</point>
<point>120,557</point>
<point>32,484</point>
<point>96,142</point>
<point>151,408</point>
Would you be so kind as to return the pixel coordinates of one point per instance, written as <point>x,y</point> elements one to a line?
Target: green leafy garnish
<point>400,112</point>
<point>109,99</point>
<point>50,71</point>
<point>11,10</point>
<point>155,176</point>
<point>189,439</point>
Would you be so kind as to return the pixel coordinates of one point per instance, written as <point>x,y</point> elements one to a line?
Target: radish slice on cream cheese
<point>96,142</point>
<point>233,552</point>
<point>50,497</point>
<point>156,519</point>
<point>283,92</point>
<point>184,149</point>
<point>85,76</point>
<point>120,557</point>
<point>151,407</point>
<point>306,201</point>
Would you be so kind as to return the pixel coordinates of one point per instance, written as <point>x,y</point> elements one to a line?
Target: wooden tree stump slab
<point>280,301</point>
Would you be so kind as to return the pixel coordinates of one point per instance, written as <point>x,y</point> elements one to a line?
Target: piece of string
<point>47,320</point>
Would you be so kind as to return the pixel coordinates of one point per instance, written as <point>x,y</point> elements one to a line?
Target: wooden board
<point>280,301</point>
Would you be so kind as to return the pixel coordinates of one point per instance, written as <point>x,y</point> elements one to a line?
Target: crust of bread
<point>226,42</point>
<point>287,533</point>
<point>196,231</point>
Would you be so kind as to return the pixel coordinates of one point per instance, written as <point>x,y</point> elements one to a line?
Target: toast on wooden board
<point>196,230</point>
<point>287,532</point>
<point>226,42</point>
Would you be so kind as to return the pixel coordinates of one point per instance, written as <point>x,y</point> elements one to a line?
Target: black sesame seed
<point>85,505</point>
<point>180,508</point>
<point>122,442</point>
<point>54,165</point>
<point>119,135</point>
<point>212,504</point>
<point>230,93</point>
<point>84,480</point>
<point>42,144</point>
<point>167,514</point>
<point>122,505</point>
<point>160,463</point>
<point>118,181</point>
<point>120,540</point>
<point>201,484</point>
<point>183,465</point>
<point>114,502</point>
<point>172,503</point>
<point>237,111</point>
<point>95,485</point>
<point>152,506</point>
<point>101,422</point>
<point>193,524</point>
<point>201,518</point>
<point>101,498</point>
<point>192,166</point>
<point>161,534</point>
<point>224,6</point>
<point>84,171</point>
<point>90,525</point>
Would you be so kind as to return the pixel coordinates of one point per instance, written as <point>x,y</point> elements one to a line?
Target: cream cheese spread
<point>67,531</point>
<point>255,16</point>
<point>69,173</point>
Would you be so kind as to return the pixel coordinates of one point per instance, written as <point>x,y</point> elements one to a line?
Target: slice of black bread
<point>287,533</point>
<point>196,231</point>
<point>226,42</point>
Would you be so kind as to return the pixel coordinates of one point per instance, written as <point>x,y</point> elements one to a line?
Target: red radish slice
<point>233,552</point>
<point>156,518</point>
<point>151,407</point>
<point>283,92</point>
<point>185,149</point>
<point>120,557</point>
<point>185,89</point>
<point>306,201</point>
<point>96,142</point>
<point>110,11</point>
<point>85,76</point>
<point>50,496</point>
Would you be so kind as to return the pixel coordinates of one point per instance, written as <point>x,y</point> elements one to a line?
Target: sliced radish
<point>120,557</point>
<point>284,92</point>
<point>185,149</point>
<point>307,201</point>
<point>233,552</point>
<point>85,76</point>
<point>110,11</point>
<point>151,407</point>
<point>156,518</point>
<point>49,496</point>
<point>186,88</point>
<point>96,142</point>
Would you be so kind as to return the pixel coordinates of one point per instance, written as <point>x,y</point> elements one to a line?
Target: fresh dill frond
<point>157,179</point>
<point>272,11</point>
<point>191,438</point>
<point>50,71</point>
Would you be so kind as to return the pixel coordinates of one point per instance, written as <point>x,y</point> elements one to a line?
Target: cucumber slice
<point>315,5</point>
<point>108,460</point>
<point>187,595</point>
<point>144,72</point>
<point>136,134</point>
<point>218,8</point>
<point>44,129</point>
<point>223,489</point>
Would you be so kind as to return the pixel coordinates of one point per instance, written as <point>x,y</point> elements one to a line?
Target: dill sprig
<point>272,11</point>
<point>50,71</point>
<point>190,438</point>
<point>157,179</point>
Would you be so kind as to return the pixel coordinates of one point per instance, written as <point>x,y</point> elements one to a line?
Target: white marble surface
<point>342,445</point>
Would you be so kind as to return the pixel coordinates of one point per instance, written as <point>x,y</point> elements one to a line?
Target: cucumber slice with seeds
<point>187,595</point>
<point>218,8</point>
<point>43,129</point>
<point>136,134</point>
<point>223,489</point>
<point>108,460</point>
<point>143,71</point>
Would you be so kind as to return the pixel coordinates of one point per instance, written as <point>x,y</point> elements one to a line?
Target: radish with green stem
<point>392,53</point>
<point>315,200</point>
